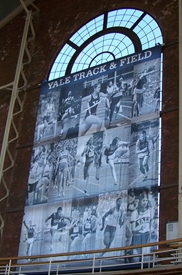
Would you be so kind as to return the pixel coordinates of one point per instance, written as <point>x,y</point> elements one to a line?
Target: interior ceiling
<point>9,9</point>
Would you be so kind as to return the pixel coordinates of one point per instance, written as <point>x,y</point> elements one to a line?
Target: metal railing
<point>18,96</point>
<point>99,261</point>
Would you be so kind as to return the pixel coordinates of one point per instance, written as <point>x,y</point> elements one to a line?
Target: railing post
<point>142,258</point>
<point>50,263</point>
<point>100,269</point>
<point>9,267</point>
<point>93,266</point>
<point>57,271</point>
<point>153,260</point>
<point>6,269</point>
<point>20,270</point>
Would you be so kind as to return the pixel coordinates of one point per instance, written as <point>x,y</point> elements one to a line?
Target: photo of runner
<point>144,219</point>
<point>88,165</point>
<point>144,155</point>
<point>111,220</point>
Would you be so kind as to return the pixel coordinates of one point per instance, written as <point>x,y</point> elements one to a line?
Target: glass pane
<point>118,44</point>
<point>87,30</point>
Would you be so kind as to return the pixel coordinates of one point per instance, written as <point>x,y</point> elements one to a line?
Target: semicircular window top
<point>105,38</point>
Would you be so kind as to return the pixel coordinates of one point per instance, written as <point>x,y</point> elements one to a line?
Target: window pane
<point>107,46</point>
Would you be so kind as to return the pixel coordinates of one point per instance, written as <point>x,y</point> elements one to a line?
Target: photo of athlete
<point>88,165</point>
<point>68,106</point>
<point>115,158</point>
<point>89,230</point>
<point>118,99</point>
<point>138,93</point>
<point>31,237</point>
<point>58,223</point>
<point>91,118</point>
<point>146,79</point>
<point>62,170</point>
<point>47,117</point>
<point>44,182</point>
<point>114,217</point>
<point>157,99</point>
<point>111,90</point>
<point>144,155</point>
<point>141,221</point>
<point>114,151</point>
<point>88,152</point>
<point>33,180</point>
<point>69,112</point>
<point>62,163</point>
<point>75,232</point>
<point>38,181</point>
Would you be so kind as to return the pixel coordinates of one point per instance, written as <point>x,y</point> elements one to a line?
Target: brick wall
<point>54,24</point>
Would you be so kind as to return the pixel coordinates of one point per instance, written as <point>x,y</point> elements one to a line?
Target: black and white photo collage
<point>94,172</point>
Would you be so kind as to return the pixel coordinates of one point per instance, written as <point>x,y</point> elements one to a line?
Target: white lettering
<point>96,70</point>
<point>102,68</point>
<point>82,75</point>
<point>50,85</point>
<point>67,80</point>
<point>75,76</point>
<point>139,57</point>
<point>122,62</point>
<point>61,82</point>
<point>133,58</point>
<point>89,73</point>
<point>147,54</point>
<point>55,84</point>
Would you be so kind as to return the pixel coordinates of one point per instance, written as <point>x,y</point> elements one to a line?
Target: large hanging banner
<point>94,172</point>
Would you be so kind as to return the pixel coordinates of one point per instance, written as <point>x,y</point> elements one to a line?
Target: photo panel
<point>84,225</point>
<point>119,97</point>
<point>63,161</point>
<point>48,109</point>
<point>32,233</point>
<point>146,92</point>
<point>58,112</point>
<point>144,153</point>
<point>142,220</point>
<point>92,116</point>
<point>69,111</point>
<point>115,159</point>
<point>41,174</point>
<point>46,229</point>
<point>88,174</point>
<point>57,220</point>
<point>111,213</point>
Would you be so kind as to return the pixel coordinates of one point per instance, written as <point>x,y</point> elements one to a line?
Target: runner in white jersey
<point>45,181</point>
<point>89,231</point>
<point>31,232</point>
<point>62,170</point>
<point>143,153</point>
<point>141,223</point>
<point>91,117</point>
<point>34,179</point>
<point>114,218</point>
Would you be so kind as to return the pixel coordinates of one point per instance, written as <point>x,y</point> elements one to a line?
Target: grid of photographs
<point>94,173</point>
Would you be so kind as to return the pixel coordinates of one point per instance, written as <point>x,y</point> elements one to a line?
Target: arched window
<point>109,36</point>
